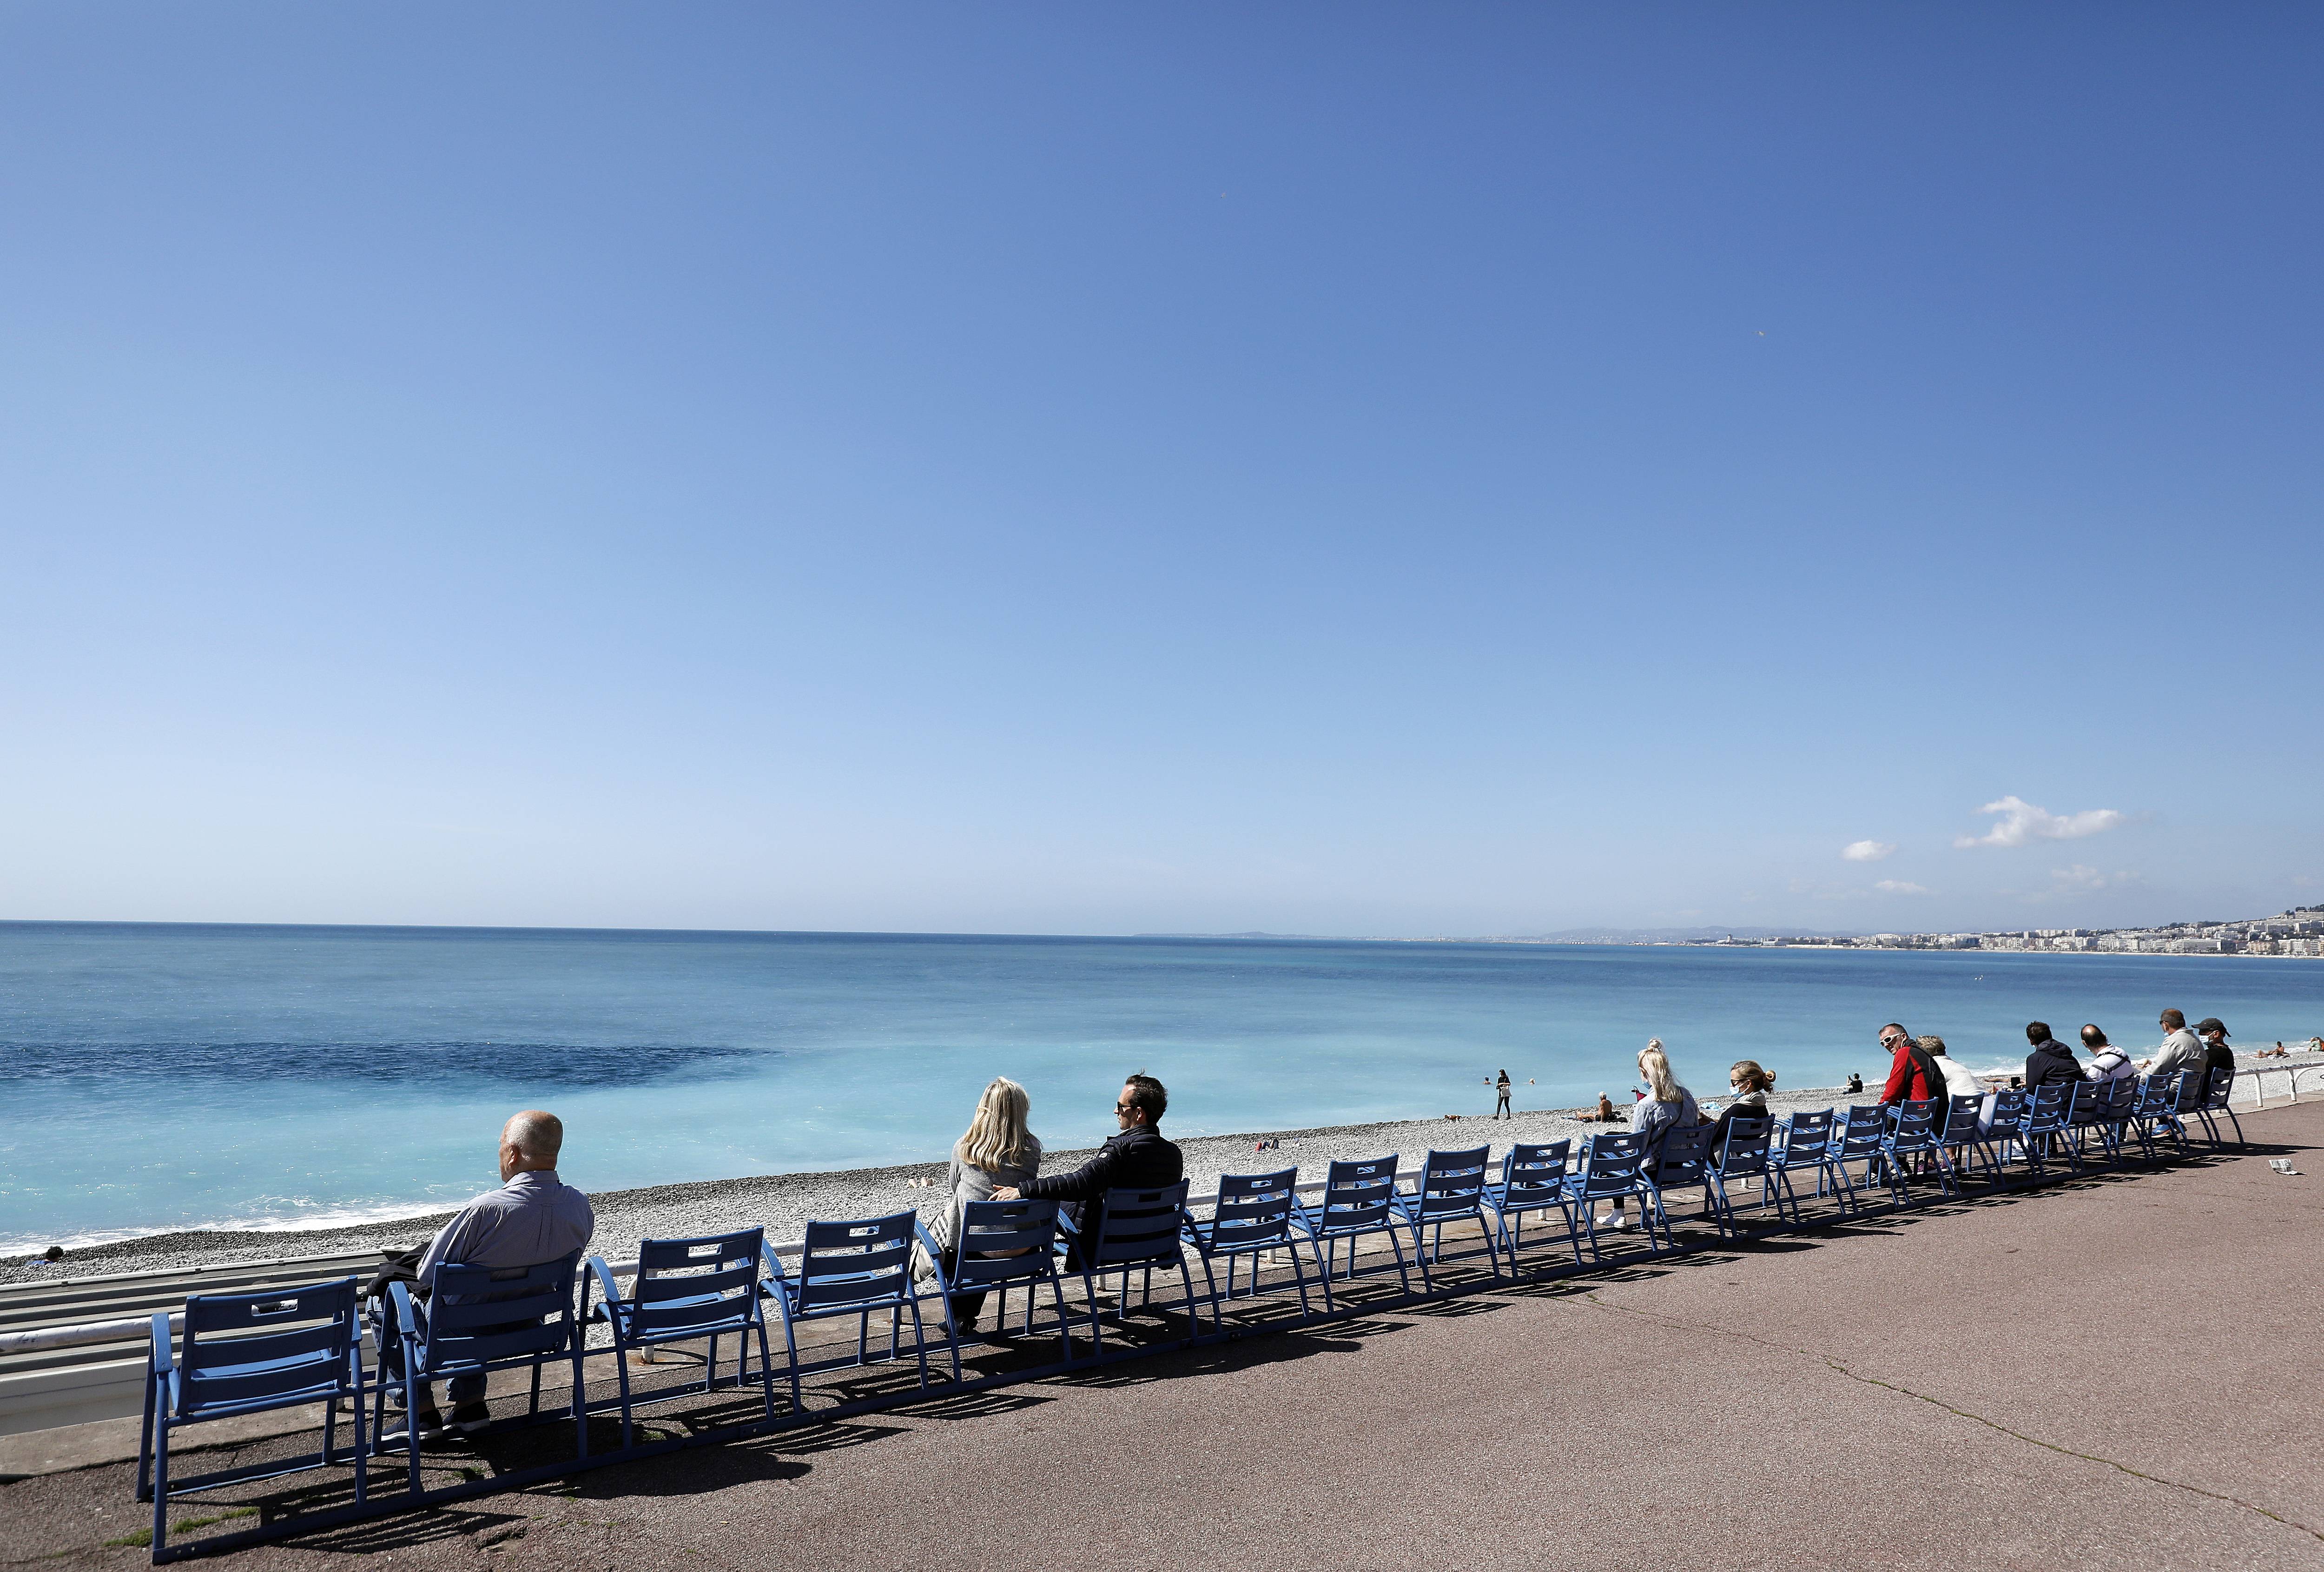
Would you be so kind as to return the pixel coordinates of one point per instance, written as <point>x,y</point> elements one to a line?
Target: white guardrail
<point>137,1328</point>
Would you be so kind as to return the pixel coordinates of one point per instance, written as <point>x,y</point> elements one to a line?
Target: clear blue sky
<point>1334,469</point>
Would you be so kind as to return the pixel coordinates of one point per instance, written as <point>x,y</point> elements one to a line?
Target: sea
<point>162,1076</point>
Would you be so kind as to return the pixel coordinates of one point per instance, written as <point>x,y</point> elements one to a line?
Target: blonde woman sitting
<point>1669,1107</point>
<point>996,1151</point>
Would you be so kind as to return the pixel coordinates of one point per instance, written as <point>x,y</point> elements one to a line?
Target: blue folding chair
<point>1913,1133</point>
<point>688,1290</point>
<point>1964,1133</point>
<point>2153,1112</point>
<point>858,1267</point>
<point>1255,1214</point>
<point>2115,1098</point>
<point>1006,1245</point>
<point>1748,1152</point>
<point>2042,1129</point>
<point>2001,1129</point>
<point>1611,1171</point>
<point>1677,1163</point>
<point>2216,1089</point>
<point>1862,1138</point>
<point>1803,1144</point>
<point>2085,1122</point>
<point>477,1320</point>
<point>2187,1107</point>
<point>1138,1230</point>
<point>1449,1185</point>
<point>1358,1198</point>
<point>250,1354</point>
<point>1533,1179</point>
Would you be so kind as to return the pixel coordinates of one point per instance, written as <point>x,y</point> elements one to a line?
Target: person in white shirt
<point>2108,1062</point>
<point>1960,1081</point>
<point>2181,1050</point>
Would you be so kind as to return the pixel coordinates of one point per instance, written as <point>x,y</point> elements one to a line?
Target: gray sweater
<point>1655,1119</point>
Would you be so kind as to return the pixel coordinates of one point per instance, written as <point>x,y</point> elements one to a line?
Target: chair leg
<point>921,1338</point>
<point>790,1352</point>
<point>160,1485</point>
<point>1065,1329</point>
<point>411,1416</point>
<point>361,1452</point>
<point>581,1402</point>
<point>622,1369</point>
<point>145,1437</point>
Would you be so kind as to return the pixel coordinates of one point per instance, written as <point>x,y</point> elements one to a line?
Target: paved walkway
<point>2118,1372</point>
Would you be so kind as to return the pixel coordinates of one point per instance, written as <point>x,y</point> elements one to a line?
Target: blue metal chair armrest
<point>936,1256</point>
<point>407,1318</point>
<point>162,1363</point>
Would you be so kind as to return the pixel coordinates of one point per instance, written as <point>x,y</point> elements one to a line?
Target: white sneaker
<point>1619,1222</point>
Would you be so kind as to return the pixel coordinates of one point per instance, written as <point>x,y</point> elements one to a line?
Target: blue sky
<point>1332,469</point>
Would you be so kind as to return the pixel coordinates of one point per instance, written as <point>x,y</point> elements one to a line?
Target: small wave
<point>311,1220</point>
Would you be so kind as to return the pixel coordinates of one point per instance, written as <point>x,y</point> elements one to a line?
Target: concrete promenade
<point>2118,1371</point>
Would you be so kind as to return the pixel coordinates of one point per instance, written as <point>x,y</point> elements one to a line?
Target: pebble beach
<point>785,1203</point>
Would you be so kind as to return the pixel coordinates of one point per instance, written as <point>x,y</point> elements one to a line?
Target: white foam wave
<point>309,1217</point>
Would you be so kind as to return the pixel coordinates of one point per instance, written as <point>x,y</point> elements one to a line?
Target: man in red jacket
<point>1912,1074</point>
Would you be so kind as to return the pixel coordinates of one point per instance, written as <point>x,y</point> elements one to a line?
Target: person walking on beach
<point>1671,1107</point>
<point>1501,1107</point>
<point>997,1149</point>
<point>1136,1159</point>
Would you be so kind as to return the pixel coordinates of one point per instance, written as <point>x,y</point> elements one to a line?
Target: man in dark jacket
<point>2050,1060</point>
<point>1137,1158</point>
<point>2217,1055</point>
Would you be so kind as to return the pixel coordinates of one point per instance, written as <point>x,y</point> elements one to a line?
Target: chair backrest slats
<point>1138,1224</point>
<point>1745,1150</point>
<point>252,1348</point>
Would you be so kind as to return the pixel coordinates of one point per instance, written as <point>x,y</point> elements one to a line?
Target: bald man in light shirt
<point>533,1217</point>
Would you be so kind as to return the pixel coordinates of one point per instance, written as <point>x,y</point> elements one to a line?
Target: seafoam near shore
<point>784,1203</point>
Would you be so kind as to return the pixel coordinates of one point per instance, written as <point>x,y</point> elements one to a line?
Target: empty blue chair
<point>688,1290</point>
<point>1006,1245</point>
<point>2216,1092</point>
<point>1914,1133</point>
<point>2042,1129</point>
<point>1964,1133</point>
<point>1748,1152</point>
<point>1533,1179</point>
<point>1449,1185</point>
<point>477,1320</point>
<point>2001,1130</point>
<point>249,1354</point>
<point>1358,1198</point>
<point>1139,1230</point>
<point>1255,1214</point>
<point>858,1267</point>
<point>1611,1169</point>
<point>1862,1138</point>
<point>1803,1144</point>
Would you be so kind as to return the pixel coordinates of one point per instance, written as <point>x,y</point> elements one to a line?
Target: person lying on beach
<point>534,1218</point>
<point>997,1149</point>
<point>1136,1159</point>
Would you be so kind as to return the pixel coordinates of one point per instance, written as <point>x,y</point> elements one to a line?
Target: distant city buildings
<point>2299,932</point>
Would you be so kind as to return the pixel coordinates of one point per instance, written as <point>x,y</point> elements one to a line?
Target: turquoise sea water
<point>160,1076</point>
